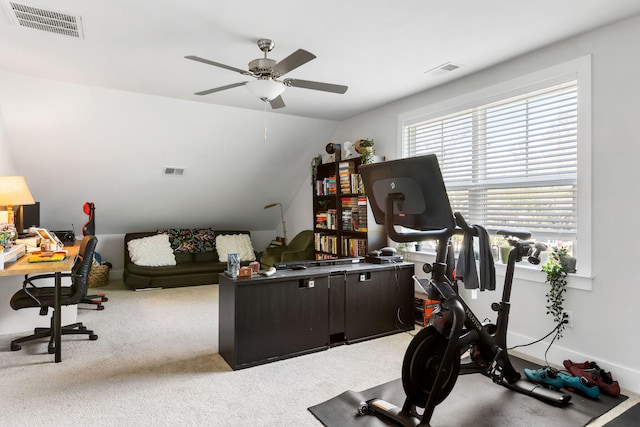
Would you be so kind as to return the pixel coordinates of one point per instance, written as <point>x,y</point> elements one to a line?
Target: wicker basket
<point>99,275</point>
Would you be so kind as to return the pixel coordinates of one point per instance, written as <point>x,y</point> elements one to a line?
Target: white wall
<point>112,146</point>
<point>606,317</point>
<point>7,167</point>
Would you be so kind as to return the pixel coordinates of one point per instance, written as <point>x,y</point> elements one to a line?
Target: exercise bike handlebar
<point>460,227</point>
<point>437,234</point>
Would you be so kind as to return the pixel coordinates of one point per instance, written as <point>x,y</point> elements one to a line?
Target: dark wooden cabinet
<point>292,313</point>
<point>378,302</point>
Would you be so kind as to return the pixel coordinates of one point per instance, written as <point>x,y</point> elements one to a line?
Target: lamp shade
<point>265,89</point>
<point>14,191</point>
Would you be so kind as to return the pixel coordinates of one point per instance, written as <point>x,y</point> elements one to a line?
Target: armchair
<point>299,249</point>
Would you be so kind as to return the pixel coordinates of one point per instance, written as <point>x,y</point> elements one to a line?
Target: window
<point>512,158</point>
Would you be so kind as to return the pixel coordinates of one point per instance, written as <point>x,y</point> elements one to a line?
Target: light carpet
<point>156,362</point>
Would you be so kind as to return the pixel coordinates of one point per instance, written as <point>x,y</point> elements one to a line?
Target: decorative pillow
<point>239,243</point>
<point>191,240</point>
<point>152,251</point>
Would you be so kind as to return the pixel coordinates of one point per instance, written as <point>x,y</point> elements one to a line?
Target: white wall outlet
<point>568,316</point>
<point>312,283</point>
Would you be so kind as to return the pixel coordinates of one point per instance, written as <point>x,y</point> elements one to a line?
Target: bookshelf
<point>343,222</point>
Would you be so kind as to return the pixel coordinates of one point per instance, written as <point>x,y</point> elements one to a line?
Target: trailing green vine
<point>557,280</point>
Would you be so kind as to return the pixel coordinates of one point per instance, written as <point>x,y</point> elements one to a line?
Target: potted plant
<point>315,162</point>
<point>556,270</point>
<point>366,150</point>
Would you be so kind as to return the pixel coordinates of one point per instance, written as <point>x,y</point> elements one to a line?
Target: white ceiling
<point>380,49</point>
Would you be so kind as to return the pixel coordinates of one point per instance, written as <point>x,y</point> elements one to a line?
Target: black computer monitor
<point>27,216</point>
<point>425,205</point>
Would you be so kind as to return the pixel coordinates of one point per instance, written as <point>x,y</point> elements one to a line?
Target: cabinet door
<point>378,302</point>
<point>279,318</point>
<point>336,307</point>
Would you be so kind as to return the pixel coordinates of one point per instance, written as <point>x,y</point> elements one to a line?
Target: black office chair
<point>32,296</point>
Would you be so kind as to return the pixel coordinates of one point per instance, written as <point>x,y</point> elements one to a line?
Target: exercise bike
<point>432,361</point>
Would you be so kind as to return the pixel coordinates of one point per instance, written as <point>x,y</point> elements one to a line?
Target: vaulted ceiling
<point>382,50</point>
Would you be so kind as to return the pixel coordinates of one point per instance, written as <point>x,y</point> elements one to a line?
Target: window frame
<point>578,69</point>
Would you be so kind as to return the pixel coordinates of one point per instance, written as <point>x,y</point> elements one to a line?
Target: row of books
<point>320,256</point>
<point>326,243</point>
<point>326,186</point>
<point>327,220</point>
<point>354,247</point>
<point>354,213</point>
<point>350,181</point>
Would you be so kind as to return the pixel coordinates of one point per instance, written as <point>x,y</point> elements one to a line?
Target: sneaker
<point>594,376</point>
<point>579,385</point>
<point>544,376</point>
<point>585,365</point>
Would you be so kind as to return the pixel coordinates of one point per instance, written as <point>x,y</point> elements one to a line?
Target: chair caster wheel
<point>100,307</point>
<point>93,337</point>
<point>51,349</point>
<point>15,347</point>
<point>105,299</point>
<point>82,328</point>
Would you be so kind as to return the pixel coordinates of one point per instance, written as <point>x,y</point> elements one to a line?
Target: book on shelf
<point>357,186</point>
<point>354,213</point>
<point>326,186</point>
<point>345,171</point>
<point>354,246</point>
<point>326,243</point>
<point>326,219</point>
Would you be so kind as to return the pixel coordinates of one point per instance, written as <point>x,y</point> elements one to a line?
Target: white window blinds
<point>510,163</point>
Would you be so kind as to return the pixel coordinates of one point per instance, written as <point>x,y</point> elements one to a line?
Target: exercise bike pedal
<point>389,410</point>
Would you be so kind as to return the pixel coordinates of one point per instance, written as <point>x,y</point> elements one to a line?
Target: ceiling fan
<point>266,72</point>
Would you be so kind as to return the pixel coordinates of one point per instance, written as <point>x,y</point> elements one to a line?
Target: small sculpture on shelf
<point>349,148</point>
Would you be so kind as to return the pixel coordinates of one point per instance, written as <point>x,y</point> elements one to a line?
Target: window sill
<point>524,271</point>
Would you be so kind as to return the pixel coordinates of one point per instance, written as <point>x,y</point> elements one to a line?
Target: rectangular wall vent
<point>50,21</point>
<point>442,69</point>
<point>172,171</point>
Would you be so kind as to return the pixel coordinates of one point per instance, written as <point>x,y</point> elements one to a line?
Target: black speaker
<point>67,237</point>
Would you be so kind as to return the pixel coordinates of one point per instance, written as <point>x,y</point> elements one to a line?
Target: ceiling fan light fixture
<point>265,89</point>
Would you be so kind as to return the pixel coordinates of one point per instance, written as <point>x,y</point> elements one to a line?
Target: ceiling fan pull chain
<point>265,121</point>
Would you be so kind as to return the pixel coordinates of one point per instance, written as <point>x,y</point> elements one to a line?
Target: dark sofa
<point>201,268</point>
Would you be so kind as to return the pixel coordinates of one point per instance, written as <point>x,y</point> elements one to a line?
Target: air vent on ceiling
<point>442,69</point>
<point>50,21</point>
<point>172,171</point>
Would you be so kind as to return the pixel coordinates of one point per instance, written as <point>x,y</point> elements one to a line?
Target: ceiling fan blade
<point>217,64</point>
<point>277,102</point>
<point>307,84</point>
<point>221,88</point>
<point>293,61</point>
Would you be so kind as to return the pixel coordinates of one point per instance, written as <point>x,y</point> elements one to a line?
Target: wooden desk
<point>22,267</point>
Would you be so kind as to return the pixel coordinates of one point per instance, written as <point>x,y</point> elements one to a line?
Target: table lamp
<point>13,192</point>
<point>284,228</point>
